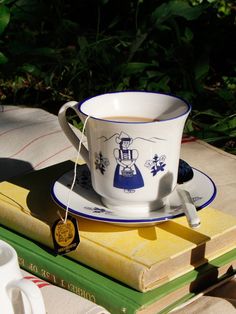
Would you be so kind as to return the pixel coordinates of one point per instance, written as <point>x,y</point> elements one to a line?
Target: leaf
<point>82,42</point>
<point>44,51</point>
<point>232,133</point>
<point>78,125</point>
<point>185,10</point>
<point>7,1</point>
<point>214,138</point>
<point>188,34</point>
<point>226,95</point>
<point>136,67</point>
<point>189,126</point>
<point>161,13</point>
<point>154,74</point>
<point>32,69</point>
<point>201,69</point>
<point>176,8</point>
<point>3,58</point>
<point>136,44</point>
<point>160,85</point>
<point>209,112</point>
<point>4,17</point>
<point>209,136</point>
<point>225,125</point>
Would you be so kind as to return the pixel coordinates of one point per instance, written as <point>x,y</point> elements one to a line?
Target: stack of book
<point>126,270</point>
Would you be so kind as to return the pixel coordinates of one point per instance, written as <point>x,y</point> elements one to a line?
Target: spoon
<point>189,208</point>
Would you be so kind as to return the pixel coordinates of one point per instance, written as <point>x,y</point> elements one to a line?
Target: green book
<point>105,291</point>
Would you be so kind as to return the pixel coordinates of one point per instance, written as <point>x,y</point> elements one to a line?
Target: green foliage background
<point>54,51</point>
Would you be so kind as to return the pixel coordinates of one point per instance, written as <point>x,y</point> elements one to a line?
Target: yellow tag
<point>65,235</point>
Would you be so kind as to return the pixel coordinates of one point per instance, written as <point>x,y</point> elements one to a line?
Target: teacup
<point>17,295</point>
<point>134,141</point>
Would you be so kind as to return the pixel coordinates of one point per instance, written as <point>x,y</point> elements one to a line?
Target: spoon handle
<point>189,208</point>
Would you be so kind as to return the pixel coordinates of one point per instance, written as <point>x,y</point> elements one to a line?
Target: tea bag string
<point>75,171</point>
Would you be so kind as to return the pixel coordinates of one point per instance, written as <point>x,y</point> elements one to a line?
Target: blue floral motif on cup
<point>101,162</point>
<point>157,164</point>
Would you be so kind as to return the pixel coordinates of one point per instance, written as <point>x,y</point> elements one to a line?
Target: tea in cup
<point>134,141</point>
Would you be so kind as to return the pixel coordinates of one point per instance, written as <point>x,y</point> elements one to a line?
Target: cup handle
<point>33,295</point>
<point>73,138</point>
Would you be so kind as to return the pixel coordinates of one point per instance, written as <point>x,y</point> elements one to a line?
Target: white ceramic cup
<point>17,295</point>
<point>133,165</point>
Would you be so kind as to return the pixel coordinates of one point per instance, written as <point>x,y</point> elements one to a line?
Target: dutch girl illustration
<point>127,175</point>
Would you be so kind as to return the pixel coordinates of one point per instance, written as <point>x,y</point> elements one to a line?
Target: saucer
<point>86,203</point>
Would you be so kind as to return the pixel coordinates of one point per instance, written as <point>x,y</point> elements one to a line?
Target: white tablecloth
<point>31,139</point>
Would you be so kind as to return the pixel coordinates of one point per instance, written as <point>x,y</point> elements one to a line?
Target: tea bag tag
<point>65,231</point>
<point>65,235</point>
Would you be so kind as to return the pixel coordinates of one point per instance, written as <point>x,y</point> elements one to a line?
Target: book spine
<point>62,277</point>
<point>108,261</point>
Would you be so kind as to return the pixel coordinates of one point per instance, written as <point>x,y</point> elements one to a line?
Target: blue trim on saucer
<point>214,190</point>
<point>133,221</point>
<point>92,217</point>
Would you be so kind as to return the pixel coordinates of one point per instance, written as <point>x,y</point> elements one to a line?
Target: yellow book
<point>143,258</point>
